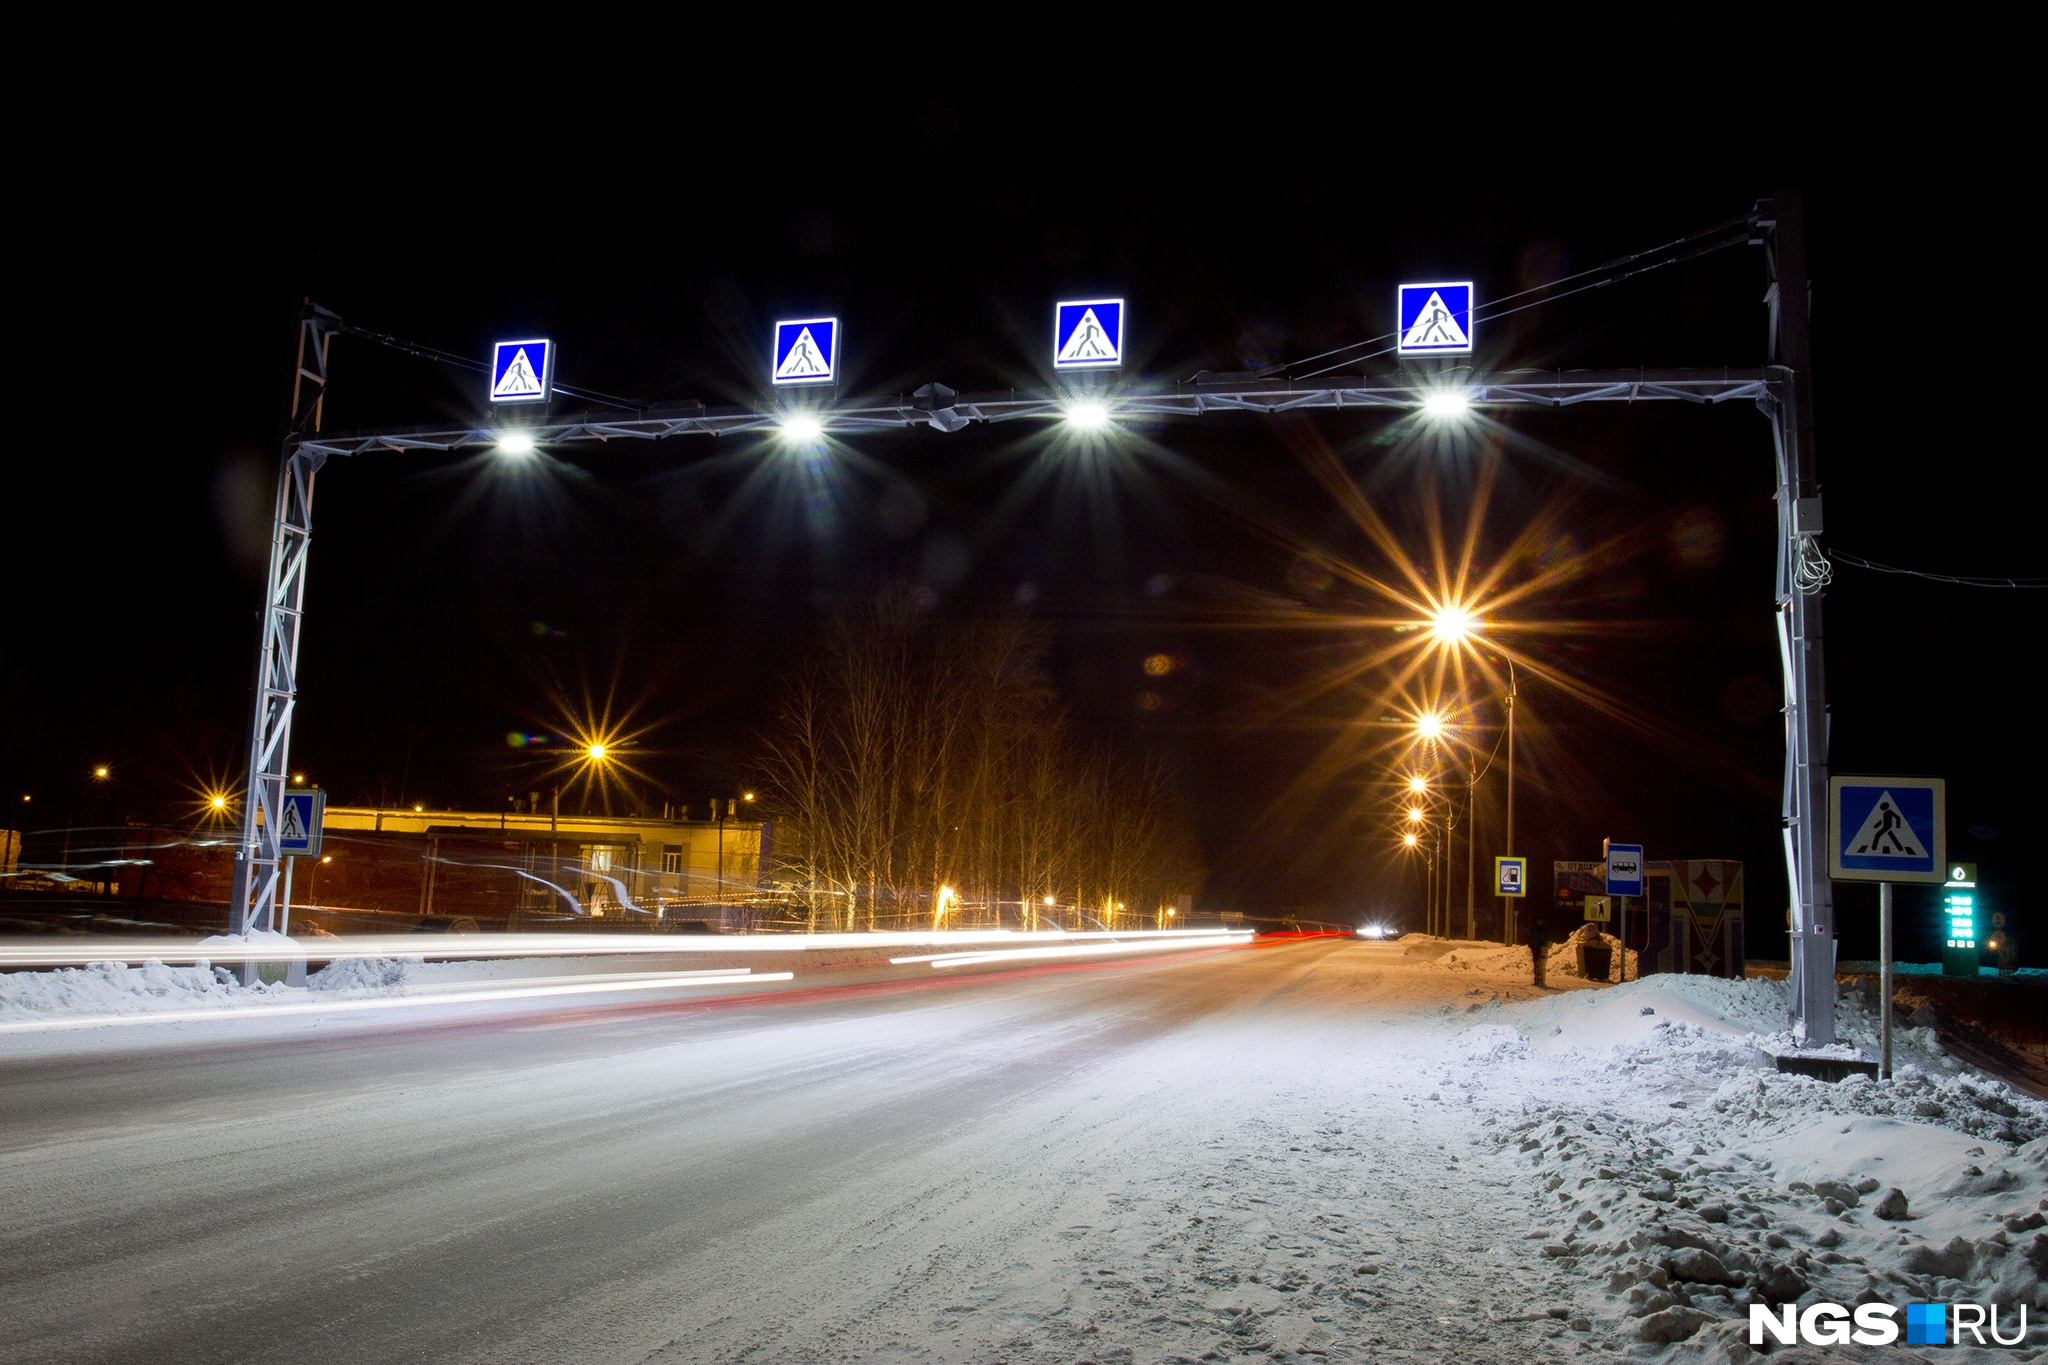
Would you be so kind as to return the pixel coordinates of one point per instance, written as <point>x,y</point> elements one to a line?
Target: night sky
<point>450,605</point>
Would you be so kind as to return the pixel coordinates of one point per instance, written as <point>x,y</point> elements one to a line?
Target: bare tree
<point>923,772</point>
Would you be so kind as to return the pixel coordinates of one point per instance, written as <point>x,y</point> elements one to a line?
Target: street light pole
<point>1507,910</point>
<point>1471,843</point>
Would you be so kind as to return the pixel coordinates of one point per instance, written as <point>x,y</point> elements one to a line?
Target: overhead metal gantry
<point>1782,391</point>
<point>944,410</point>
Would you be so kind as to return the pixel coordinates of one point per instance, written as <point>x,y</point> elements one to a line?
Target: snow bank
<point>117,988</point>
<point>1680,1180</point>
<point>1561,962</point>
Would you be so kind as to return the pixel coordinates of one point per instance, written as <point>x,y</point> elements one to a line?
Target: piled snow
<point>1561,961</point>
<point>1681,1180</point>
<point>117,988</point>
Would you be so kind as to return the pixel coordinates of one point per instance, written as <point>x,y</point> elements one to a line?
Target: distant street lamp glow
<point>1415,814</point>
<point>800,428</point>
<point>99,772</point>
<point>1410,839</point>
<point>1416,784</point>
<point>1429,725</point>
<point>218,802</point>
<point>1447,403</point>
<point>1088,416</point>
<point>514,443</point>
<point>595,752</point>
<point>1451,623</point>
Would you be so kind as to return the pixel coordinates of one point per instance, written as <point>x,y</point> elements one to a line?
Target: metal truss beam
<point>260,891</point>
<point>939,407</point>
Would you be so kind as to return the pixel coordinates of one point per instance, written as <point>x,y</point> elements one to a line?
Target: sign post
<point>1511,877</point>
<point>1886,830</point>
<point>1959,953</point>
<point>1623,866</point>
<point>300,816</point>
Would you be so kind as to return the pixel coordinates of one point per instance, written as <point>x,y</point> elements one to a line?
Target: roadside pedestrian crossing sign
<point>521,371</point>
<point>1433,319</point>
<point>299,818</point>
<point>1887,829</point>
<point>1088,334</point>
<point>806,352</point>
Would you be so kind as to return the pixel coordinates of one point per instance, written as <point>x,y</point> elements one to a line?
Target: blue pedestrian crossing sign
<point>1088,334</point>
<point>521,371</point>
<point>1511,876</point>
<point>1433,319</point>
<point>1887,829</point>
<point>806,352</point>
<point>298,823</point>
<point>1624,869</point>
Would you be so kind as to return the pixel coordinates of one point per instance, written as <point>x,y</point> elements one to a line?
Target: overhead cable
<point>1617,264</point>
<point>1957,580</point>
<point>463,362</point>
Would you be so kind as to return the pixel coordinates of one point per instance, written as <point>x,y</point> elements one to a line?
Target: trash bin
<point>1596,961</point>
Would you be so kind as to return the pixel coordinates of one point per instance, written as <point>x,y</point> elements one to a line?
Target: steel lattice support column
<point>1801,577</point>
<point>258,875</point>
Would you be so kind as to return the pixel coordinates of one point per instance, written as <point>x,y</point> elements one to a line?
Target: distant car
<point>1380,931</point>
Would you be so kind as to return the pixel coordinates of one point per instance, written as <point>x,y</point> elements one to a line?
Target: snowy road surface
<point>1323,1151</point>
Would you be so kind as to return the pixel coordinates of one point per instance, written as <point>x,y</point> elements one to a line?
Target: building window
<point>672,858</point>
<point>600,859</point>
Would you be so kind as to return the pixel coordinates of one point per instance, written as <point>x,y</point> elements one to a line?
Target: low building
<point>385,870</point>
<point>526,870</point>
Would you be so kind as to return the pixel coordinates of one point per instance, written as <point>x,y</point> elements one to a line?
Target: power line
<point>1617,264</point>
<point>463,362</point>
<point>1958,580</point>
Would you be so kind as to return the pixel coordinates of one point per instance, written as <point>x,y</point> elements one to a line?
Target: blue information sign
<point>806,352</point>
<point>1433,319</point>
<point>1887,829</point>
<point>1624,869</point>
<point>1088,334</point>
<point>521,371</point>
<point>298,823</point>
<point>1511,876</point>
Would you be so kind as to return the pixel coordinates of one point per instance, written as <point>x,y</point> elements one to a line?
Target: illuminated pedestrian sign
<point>1433,319</point>
<point>806,351</point>
<point>1887,829</point>
<point>1624,869</point>
<point>1510,876</point>
<point>1088,334</point>
<point>521,371</point>
<point>298,823</point>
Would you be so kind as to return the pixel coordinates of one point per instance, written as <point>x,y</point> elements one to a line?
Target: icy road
<point>1323,1150</point>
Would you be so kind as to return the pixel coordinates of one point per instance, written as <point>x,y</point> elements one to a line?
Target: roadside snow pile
<point>117,988</point>
<point>363,973</point>
<point>1561,961</point>
<point>1679,1180</point>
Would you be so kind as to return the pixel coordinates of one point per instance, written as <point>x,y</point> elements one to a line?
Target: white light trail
<point>454,993</point>
<point>175,952</point>
<point>940,961</point>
